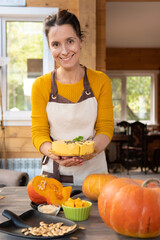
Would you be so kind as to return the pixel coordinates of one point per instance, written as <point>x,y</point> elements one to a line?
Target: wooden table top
<point>17,200</point>
<point>117,137</point>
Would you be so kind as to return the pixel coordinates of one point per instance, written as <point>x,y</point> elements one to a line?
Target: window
<point>134,96</point>
<point>24,42</point>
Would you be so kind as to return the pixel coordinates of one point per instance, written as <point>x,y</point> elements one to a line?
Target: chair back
<point>125,125</point>
<point>138,135</point>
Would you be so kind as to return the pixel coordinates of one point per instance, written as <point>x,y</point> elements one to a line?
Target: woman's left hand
<point>70,161</point>
<point>90,156</point>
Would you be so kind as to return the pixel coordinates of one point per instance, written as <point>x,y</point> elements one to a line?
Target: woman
<point>71,101</point>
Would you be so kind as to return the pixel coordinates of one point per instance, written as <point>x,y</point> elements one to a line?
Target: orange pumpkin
<point>131,209</point>
<point>93,184</point>
<point>42,190</point>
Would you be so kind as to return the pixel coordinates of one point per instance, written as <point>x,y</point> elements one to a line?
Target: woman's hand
<point>63,161</point>
<point>67,161</point>
<point>90,156</point>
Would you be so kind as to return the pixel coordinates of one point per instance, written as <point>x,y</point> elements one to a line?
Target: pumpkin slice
<point>58,197</point>
<point>39,186</point>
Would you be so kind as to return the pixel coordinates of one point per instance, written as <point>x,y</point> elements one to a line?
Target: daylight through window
<point>133,97</point>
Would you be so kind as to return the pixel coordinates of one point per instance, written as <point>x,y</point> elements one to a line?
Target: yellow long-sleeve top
<point>41,89</point>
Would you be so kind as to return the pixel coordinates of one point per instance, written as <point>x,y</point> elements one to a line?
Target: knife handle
<point>14,218</point>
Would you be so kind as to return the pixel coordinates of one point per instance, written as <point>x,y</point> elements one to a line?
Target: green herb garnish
<point>78,139</point>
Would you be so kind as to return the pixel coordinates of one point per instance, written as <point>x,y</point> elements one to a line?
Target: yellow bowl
<point>77,214</point>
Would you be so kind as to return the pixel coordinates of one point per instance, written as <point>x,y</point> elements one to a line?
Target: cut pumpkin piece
<point>39,186</point>
<point>58,197</point>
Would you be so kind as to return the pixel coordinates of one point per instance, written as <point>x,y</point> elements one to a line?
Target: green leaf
<point>80,138</point>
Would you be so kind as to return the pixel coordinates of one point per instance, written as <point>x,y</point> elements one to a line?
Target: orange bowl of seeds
<point>76,209</point>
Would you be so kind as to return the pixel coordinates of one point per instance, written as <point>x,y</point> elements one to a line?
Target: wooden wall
<point>101,35</point>
<point>133,58</point>
<point>16,142</point>
<point>88,24</point>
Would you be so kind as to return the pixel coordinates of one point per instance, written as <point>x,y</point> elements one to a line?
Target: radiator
<point>30,165</point>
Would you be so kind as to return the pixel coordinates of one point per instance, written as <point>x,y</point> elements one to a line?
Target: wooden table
<point>152,136</point>
<point>153,143</point>
<point>120,139</point>
<point>17,201</point>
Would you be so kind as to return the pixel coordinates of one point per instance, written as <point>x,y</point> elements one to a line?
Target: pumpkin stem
<point>149,180</point>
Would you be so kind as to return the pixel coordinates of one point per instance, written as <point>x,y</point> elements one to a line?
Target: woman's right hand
<point>66,161</point>
<point>61,160</point>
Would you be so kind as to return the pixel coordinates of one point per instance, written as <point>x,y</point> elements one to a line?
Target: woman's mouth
<point>66,59</point>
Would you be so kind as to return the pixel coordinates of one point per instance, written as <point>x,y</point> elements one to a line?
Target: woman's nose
<point>64,49</point>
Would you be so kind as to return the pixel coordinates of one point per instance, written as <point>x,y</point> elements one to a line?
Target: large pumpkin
<point>130,209</point>
<point>47,190</point>
<point>93,184</point>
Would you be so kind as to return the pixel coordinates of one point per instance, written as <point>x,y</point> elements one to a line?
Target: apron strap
<point>87,92</point>
<point>54,96</point>
<point>54,89</point>
<point>45,160</point>
<point>56,174</point>
<point>56,170</point>
<point>86,82</point>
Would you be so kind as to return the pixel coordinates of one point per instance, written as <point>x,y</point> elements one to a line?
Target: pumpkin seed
<point>46,230</point>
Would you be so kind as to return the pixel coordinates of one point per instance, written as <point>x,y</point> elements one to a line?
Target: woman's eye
<point>55,44</point>
<point>70,41</point>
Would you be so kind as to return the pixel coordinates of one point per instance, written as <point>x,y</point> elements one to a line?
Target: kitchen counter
<point>17,200</point>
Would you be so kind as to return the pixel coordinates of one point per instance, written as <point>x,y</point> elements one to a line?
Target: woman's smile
<point>67,58</point>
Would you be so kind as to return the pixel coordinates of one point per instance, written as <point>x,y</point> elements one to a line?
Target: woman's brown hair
<point>61,18</point>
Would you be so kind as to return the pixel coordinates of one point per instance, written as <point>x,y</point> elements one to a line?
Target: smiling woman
<point>69,102</point>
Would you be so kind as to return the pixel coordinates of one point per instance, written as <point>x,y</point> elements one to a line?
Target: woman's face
<point>65,45</point>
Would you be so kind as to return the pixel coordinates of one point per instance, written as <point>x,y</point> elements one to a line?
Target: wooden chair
<point>134,155</point>
<point>125,125</point>
<point>127,129</point>
<point>156,160</point>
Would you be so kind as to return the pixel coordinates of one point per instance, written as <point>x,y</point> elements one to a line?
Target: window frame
<point>31,14</point>
<point>154,92</point>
